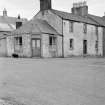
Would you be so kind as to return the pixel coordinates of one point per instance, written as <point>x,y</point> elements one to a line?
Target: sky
<point>28,8</point>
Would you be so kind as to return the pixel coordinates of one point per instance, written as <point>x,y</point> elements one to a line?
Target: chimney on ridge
<point>4,12</point>
<point>80,8</point>
<point>104,16</point>
<point>18,22</point>
<point>45,4</point>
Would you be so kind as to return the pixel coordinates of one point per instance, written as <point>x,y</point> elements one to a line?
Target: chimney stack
<point>19,22</point>
<point>104,16</point>
<point>80,8</point>
<point>4,12</point>
<point>45,4</point>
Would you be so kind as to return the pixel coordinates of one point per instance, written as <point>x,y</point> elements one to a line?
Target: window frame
<point>52,41</point>
<point>18,40</point>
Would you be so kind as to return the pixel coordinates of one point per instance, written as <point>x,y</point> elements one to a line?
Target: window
<point>52,40</point>
<point>96,46</point>
<point>18,41</point>
<point>70,26</point>
<point>96,31</point>
<point>18,44</point>
<point>71,43</point>
<point>85,28</point>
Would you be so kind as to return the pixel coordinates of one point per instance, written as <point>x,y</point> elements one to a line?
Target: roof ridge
<point>72,17</point>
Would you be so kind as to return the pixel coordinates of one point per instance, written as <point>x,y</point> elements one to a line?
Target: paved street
<point>68,81</point>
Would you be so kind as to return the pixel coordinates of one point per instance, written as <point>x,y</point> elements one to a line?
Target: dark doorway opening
<point>84,47</point>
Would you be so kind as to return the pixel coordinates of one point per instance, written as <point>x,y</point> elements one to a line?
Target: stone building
<point>36,38</point>
<point>7,25</point>
<point>53,33</point>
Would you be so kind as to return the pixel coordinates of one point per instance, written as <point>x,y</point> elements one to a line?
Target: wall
<point>78,37</point>
<point>27,45</point>
<point>59,46</point>
<point>45,49</point>
<point>3,47</point>
<point>45,45</point>
<point>54,20</point>
<point>104,41</point>
<point>10,45</point>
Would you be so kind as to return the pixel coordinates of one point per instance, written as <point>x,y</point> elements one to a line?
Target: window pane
<point>50,40</point>
<point>38,43</point>
<point>20,40</point>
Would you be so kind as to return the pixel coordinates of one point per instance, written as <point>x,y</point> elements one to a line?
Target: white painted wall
<point>3,47</point>
<point>78,37</point>
<point>54,20</point>
<point>27,52</point>
<point>10,45</point>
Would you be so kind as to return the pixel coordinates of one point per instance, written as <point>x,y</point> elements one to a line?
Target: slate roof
<point>97,19</point>
<point>70,16</point>
<point>90,19</point>
<point>8,23</point>
<point>35,26</point>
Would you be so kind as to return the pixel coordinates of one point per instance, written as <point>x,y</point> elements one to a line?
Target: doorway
<point>36,47</point>
<point>84,47</point>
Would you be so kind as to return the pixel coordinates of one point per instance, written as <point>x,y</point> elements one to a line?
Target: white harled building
<point>53,33</point>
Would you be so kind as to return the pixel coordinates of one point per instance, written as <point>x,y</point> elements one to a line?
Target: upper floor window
<point>71,24</point>
<point>85,28</point>
<point>71,44</point>
<point>96,30</point>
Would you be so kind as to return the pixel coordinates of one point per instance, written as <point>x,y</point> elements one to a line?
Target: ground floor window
<point>96,46</point>
<point>72,44</point>
<point>18,44</point>
<point>18,41</point>
<point>52,40</point>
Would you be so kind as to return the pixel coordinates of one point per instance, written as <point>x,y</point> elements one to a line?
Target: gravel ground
<point>68,81</point>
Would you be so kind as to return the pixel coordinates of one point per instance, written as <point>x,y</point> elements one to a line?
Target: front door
<point>85,47</point>
<point>36,48</point>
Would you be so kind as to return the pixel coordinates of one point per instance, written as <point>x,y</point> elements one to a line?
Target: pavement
<point>58,81</point>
